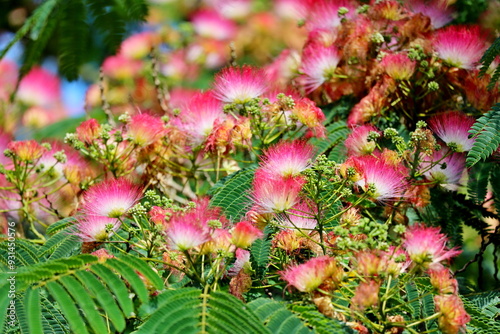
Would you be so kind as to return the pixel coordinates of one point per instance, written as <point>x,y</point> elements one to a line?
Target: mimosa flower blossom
<point>299,217</point>
<point>208,23</point>
<point>26,150</point>
<point>453,128</point>
<point>287,159</point>
<point>239,84</point>
<point>144,129</point>
<point>426,246</point>
<point>357,142</point>
<point>366,295</point>
<point>39,87</point>
<point>460,46</point>
<point>274,195</point>
<point>111,198</point>
<point>442,280</point>
<point>324,14</point>
<point>244,234</point>
<point>453,316</point>
<point>308,276</point>
<point>448,171</point>
<point>384,181</point>
<point>198,118</point>
<point>439,13</point>
<point>88,131</point>
<point>139,45</point>
<point>97,228</point>
<point>184,234</point>
<point>318,65</point>
<point>398,66</point>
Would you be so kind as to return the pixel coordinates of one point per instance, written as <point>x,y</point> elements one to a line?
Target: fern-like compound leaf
<point>68,307</point>
<point>259,255</point>
<point>117,288</point>
<point>486,131</point>
<point>131,276</point>
<point>277,317</point>
<point>105,298</point>
<point>85,303</point>
<point>144,269</point>
<point>488,58</point>
<point>333,145</point>
<point>233,193</point>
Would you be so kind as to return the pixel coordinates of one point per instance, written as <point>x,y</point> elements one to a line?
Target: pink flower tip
<point>244,234</point>
<point>239,84</point>
<point>97,228</point>
<point>426,246</point>
<point>112,198</point>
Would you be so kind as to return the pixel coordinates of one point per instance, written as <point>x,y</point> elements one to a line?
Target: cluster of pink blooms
<point>204,230</point>
<point>424,248</point>
<point>388,173</point>
<point>397,59</point>
<point>48,175</point>
<point>278,180</point>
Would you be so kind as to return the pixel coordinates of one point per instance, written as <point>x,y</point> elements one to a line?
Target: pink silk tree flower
<point>384,181</point>
<point>453,128</point>
<point>426,246</point>
<point>211,24</point>
<point>460,46</point>
<point>239,84</point>
<point>241,263</point>
<point>300,217</point>
<point>310,115</point>
<point>96,228</point>
<point>308,276</point>
<point>324,14</point>
<point>144,129</point>
<point>366,295</point>
<point>40,88</point>
<point>447,172</point>
<point>357,142</point>
<point>112,198</point>
<point>88,131</point>
<point>275,195</point>
<point>120,67</point>
<point>8,79</point>
<point>442,280</point>
<point>453,317</point>
<point>398,66</point>
<point>26,150</point>
<point>287,158</point>
<point>436,10</point>
<point>138,46</point>
<point>318,65</point>
<point>198,118</point>
<point>244,234</point>
<point>184,235</point>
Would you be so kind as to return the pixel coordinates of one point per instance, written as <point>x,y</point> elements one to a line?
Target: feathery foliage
<point>68,22</point>
<point>232,193</point>
<point>486,131</point>
<point>488,58</point>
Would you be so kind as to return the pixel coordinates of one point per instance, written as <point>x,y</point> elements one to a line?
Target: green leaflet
<point>259,252</point>
<point>68,23</point>
<point>487,59</point>
<point>333,145</point>
<point>187,310</point>
<point>486,130</point>
<point>299,319</point>
<point>88,295</point>
<point>232,193</point>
